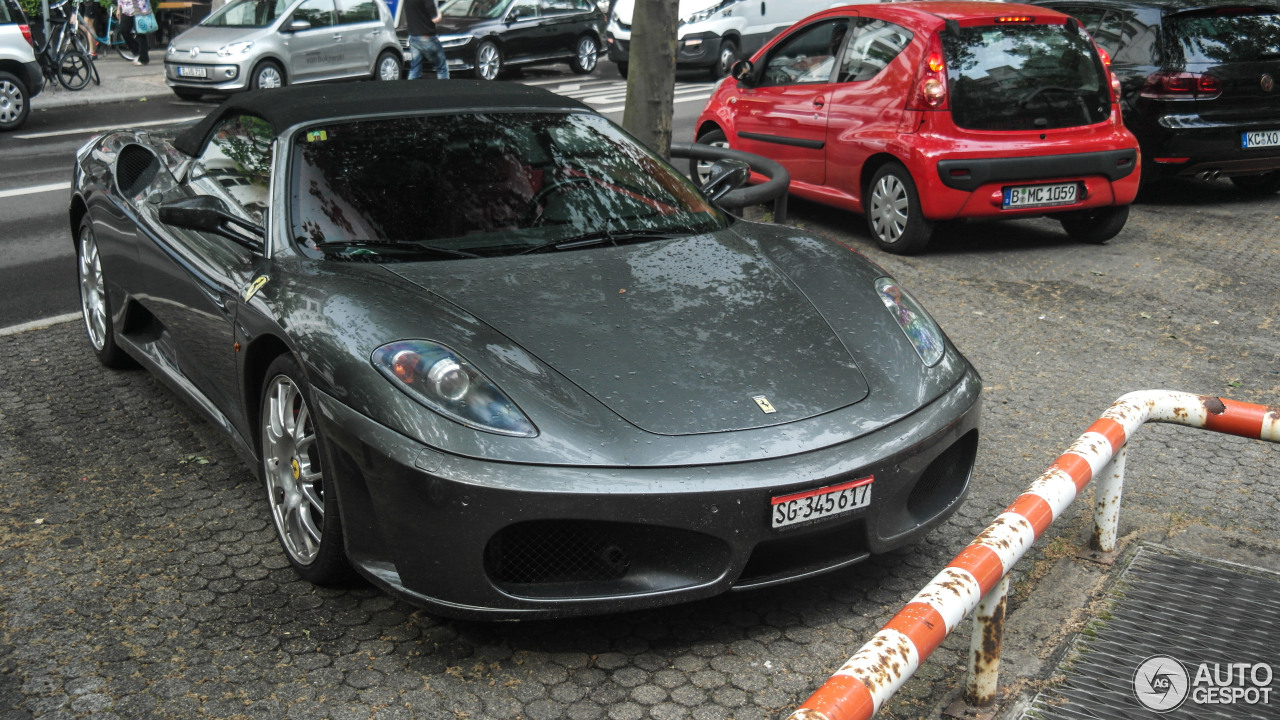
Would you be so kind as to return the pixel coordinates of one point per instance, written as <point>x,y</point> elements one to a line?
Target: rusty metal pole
<point>1106,504</point>
<point>984,646</point>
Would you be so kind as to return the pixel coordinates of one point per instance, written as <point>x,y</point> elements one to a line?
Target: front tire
<point>1095,225</point>
<point>488,61</point>
<point>304,506</point>
<point>588,53</point>
<point>700,170</point>
<point>1264,184</point>
<point>266,76</point>
<point>390,66</point>
<point>95,303</point>
<point>15,103</point>
<point>893,212</point>
<point>727,56</point>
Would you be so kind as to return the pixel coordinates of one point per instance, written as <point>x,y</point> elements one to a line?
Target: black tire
<point>300,493</point>
<point>75,70</point>
<point>267,75</point>
<point>1095,225</point>
<point>488,61</point>
<point>725,58</point>
<point>1264,184</point>
<point>893,211</point>
<point>623,67</point>
<point>95,301</point>
<point>387,61</point>
<point>117,41</point>
<point>585,60</point>
<point>698,169</point>
<point>15,102</point>
<point>185,94</point>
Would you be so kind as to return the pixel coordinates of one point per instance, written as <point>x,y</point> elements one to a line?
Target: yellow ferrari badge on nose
<point>252,288</point>
<point>764,404</point>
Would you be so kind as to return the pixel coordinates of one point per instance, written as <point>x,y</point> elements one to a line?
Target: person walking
<point>128,12</point>
<point>422,16</point>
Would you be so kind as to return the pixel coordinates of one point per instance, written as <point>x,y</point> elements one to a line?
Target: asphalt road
<point>37,258</point>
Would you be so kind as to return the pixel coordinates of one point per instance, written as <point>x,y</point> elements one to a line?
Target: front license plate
<point>195,72</point>
<point>1262,138</point>
<point>1024,196</point>
<point>821,503</point>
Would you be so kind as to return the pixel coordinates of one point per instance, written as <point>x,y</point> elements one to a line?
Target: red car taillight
<point>1106,65</point>
<point>930,91</point>
<point>26,33</point>
<point>1181,86</point>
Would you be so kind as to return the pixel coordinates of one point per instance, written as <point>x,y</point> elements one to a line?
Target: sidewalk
<point>121,80</point>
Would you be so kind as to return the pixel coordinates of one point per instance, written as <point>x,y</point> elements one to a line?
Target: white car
<point>714,34</point>
<point>20,76</point>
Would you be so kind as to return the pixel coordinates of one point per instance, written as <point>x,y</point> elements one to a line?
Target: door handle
<point>818,102</point>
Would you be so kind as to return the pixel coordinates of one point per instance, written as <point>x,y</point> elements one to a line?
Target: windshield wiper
<point>596,237</point>
<point>417,247</point>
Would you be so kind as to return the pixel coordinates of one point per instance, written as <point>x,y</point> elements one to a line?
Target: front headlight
<point>173,50</point>
<point>702,15</point>
<point>442,380</point>
<point>453,41</point>
<point>921,330</point>
<point>235,48</point>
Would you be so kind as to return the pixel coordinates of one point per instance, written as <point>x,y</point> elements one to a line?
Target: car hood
<point>209,39</point>
<point>677,337</point>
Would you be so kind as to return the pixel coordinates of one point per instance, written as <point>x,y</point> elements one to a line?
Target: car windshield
<point>1222,37</point>
<point>474,8</point>
<point>440,187</point>
<point>1024,77</point>
<point>247,13</point>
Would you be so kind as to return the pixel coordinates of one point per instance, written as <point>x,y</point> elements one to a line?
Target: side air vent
<point>136,167</point>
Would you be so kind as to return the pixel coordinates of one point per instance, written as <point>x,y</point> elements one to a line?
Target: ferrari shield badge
<point>764,404</point>
<point>252,288</point>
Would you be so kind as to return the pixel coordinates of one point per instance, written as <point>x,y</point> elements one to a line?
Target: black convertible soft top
<point>286,107</point>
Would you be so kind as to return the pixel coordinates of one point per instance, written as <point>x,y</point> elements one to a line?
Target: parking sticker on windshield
<point>317,136</point>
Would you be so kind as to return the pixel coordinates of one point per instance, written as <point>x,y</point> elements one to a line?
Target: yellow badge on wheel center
<point>297,470</point>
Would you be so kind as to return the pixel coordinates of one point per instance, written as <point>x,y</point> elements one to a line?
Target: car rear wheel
<point>700,170</point>
<point>1264,184</point>
<point>585,59</point>
<point>488,61</point>
<point>388,67</point>
<point>725,60</point>
<point>95,304</point>
<point>267,75</point>
<point>893,212</point>
<point>15,104</point>
<point>304,508</point>
<point>1095,225</point>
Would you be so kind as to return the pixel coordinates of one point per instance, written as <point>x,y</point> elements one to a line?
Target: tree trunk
<point>651,78</point>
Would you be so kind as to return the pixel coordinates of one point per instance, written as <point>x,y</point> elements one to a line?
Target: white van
<point>714,34</point>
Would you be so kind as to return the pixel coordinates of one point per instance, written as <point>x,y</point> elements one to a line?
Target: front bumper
<point>469,538</point>
<point>699,50</point>
<point>221,77</point>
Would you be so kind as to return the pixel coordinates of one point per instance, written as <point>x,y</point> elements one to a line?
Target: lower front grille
<point>558,552</point>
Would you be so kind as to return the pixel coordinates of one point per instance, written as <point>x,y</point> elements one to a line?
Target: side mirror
<point>298,25</point>
<point>724,177</point>
<point>741,71</point>
<point>205,213</point>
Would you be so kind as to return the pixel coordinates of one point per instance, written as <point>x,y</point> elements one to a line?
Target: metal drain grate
<point>1216,625</point>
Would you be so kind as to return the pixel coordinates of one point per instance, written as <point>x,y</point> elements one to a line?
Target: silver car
<point>252,44</point>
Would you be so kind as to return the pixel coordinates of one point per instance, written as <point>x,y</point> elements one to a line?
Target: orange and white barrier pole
<point>874,673</point>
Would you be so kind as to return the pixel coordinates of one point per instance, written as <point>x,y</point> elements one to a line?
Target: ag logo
<point>1161,683</point>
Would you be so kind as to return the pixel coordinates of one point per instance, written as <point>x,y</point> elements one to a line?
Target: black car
<point>1198,83</point>
<point>486,36</point>
<point>503,360</point>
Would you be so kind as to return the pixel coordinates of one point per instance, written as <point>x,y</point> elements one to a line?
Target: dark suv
<point>1199,83</point>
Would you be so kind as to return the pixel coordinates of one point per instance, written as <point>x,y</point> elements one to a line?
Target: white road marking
<point>90,131</point>
<point>620,108</point>
<point>39,324</point>
<point>34,189</point>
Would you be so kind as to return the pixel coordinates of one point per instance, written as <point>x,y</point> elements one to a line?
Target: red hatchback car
<point>912,113</point>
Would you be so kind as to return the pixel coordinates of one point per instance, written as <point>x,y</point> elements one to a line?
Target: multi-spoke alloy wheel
<point>588,53</point>
<point>702,168</point>
<point>488,61</point>
<point>292,467</point>
<point>303,507</point>
<point>95,305</point>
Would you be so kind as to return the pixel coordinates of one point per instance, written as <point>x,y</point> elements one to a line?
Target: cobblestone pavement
<point>140,578</point>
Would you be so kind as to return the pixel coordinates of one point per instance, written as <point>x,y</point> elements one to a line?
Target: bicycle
<point>57,53</point>
<point>112,38</point>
